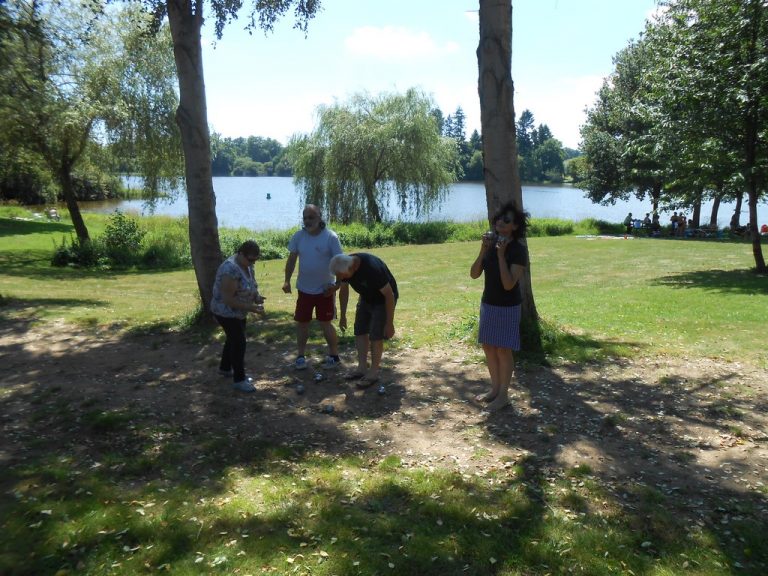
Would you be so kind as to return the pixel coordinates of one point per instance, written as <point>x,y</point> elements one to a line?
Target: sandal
<point>366,382</point>
<point>354,375</point>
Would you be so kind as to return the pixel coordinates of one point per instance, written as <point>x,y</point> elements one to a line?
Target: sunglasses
<point>506,219</point>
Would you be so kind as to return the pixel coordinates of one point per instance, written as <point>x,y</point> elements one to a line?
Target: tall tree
<point>370,146</point>
<point>497,118</point>
<point>186,20</point>
<point>620,138</point>
<point>713,85</point>
<point>71,74</point>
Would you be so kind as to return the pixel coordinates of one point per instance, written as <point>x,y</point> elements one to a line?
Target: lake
<point>275,203</point>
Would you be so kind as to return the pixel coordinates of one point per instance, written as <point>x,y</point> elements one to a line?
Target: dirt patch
<point>694,428</point>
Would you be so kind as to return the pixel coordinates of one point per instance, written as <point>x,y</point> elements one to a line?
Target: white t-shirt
<point>315,253</point>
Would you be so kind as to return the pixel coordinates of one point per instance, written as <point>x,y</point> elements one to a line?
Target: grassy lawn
<point>601,297</point>
<point>142,494</point>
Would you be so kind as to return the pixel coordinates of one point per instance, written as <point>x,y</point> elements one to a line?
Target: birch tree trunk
<point>186,18</point>
<point>497,118</point>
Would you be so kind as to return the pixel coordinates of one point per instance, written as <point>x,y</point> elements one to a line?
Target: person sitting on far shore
<point>647,220</point>
<point>53,214</point>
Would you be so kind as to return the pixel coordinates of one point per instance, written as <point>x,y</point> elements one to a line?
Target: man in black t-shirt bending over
<point>375,312</point>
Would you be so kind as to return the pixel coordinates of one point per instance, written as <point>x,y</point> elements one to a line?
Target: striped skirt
<point>499,326</point>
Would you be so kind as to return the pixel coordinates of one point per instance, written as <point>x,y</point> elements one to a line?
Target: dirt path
<point>695,428</point>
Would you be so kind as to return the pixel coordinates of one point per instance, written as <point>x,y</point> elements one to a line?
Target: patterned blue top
<point>247,290</point>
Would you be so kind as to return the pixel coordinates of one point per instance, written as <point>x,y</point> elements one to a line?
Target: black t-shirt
<point>371,277</point>
<point>494,292</point>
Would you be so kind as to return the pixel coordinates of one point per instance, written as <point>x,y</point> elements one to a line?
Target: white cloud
<point>395,43</point>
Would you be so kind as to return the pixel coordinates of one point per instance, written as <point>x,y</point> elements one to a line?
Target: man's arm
<point>343,300</point>
<point>290,265</point>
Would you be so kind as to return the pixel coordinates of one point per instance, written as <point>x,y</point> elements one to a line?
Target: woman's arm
<point>477,266</point>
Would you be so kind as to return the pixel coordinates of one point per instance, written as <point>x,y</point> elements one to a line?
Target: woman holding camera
<point>503,259</point>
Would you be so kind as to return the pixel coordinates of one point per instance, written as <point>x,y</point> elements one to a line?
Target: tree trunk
<point>736,217</point>
<point>373,206</point>
<point>186,18</point>
<point>497,118</point>
<point>696,217</point>
<point>752,131</point>
<point>655,196</point>
<point>68,191</point>
<point>716,206</point>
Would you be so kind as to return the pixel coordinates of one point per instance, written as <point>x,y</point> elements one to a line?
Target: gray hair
<point>341,263</point>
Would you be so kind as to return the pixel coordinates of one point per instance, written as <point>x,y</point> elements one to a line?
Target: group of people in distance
<point>325,269</point>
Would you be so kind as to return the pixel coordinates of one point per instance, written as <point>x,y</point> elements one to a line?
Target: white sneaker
<point>301,363</point>
<point>244,386</point>
<point>330,363</point>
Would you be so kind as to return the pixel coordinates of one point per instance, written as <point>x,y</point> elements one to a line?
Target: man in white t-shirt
<point>314,245</point>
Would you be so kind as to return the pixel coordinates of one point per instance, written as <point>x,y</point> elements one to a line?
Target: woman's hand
<point>501,245</point>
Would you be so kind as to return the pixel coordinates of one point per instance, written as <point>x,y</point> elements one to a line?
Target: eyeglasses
<point>505,218</point>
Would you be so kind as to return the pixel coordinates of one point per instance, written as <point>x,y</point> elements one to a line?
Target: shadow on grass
<point>36,265</point>
<point>12,227</point>
<point>136,455</point>
<point>18,313</point>
<point>725,281</point>
<point>640,451</point>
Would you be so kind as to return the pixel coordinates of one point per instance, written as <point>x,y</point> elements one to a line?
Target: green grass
<point>597,298</point>
<point>288,511</point>
<point>145,495</point>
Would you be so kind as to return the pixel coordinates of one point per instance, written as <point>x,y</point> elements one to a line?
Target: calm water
<point>243,201</point>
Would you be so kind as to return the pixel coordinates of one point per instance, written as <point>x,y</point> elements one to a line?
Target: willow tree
<point>74,78</point>
<point>369,147</point>
<point>497,118</point>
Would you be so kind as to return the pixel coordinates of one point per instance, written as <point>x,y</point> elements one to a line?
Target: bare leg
<point>491,360</point>
<point>361,342</point>
<point>506,364</point>
<point>377,350</point>
<point>302,335</point>
<point>331,338</point>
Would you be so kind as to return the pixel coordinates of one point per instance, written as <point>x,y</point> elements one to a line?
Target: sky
<point>271,85</point>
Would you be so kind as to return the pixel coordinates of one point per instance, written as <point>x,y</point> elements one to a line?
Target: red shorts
<point>324,307</point>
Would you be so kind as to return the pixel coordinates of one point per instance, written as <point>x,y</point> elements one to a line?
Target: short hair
<point>249,248</point>
<point>340,264</point>
<point>519,217</point>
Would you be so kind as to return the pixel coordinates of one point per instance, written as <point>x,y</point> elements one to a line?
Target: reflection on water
<point>275,203</point>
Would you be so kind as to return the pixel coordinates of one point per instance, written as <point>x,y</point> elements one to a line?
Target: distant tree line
<point>251,156</point>
<point>541,157</point>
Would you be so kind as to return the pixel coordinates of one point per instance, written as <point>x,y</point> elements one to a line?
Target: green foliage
<point>273,244</point>
<point>369,146</point>
<point>252,156</point>
<point>540,156</point>
<point>77,76</point>
<point>122,239</point>
<point>78,253</point>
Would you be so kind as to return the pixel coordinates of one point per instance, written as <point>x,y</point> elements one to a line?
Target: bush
<point>122,239</point>
<point>78,254</point>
